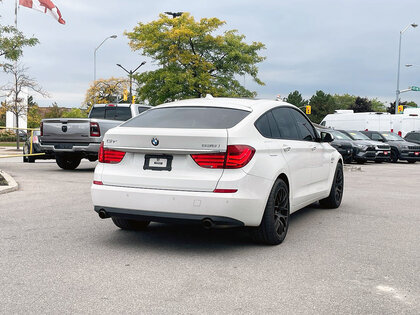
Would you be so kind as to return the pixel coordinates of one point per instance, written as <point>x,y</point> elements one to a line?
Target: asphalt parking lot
<point>56,255</point>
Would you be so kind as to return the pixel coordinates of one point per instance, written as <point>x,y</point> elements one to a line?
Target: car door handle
<point>286,148</point>
<point>313,148</point>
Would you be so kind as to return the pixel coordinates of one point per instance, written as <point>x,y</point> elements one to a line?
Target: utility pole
<point>130,75</point>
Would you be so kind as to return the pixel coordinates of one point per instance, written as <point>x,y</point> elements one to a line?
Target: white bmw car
<point>216,161</point>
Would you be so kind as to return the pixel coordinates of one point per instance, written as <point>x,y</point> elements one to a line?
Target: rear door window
<point>189,117</point>
<point>305,128</point>
<point>286,123</point>
<point>263,126</point>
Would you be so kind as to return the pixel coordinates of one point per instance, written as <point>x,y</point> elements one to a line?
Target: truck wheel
<point>126,224</point>
<point>67,162</point>
<point>411,161</point>
<point>394,156</point>
<point>275,221</point>
<point>337,188</point>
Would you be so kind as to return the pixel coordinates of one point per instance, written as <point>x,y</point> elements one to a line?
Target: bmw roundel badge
<point>155,141</point>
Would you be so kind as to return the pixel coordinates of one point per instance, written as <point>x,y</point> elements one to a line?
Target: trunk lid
<point>160,158</point>
<point>63,129</point>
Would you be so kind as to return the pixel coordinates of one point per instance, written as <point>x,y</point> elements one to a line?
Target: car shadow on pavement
<point>194,238</point>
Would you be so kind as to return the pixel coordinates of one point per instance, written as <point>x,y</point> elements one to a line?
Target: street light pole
<point>94,56</point>
<point>130,75</point>
<point>397,98</point>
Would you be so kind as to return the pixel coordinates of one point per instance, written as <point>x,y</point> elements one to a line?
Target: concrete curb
<point>12,183</point>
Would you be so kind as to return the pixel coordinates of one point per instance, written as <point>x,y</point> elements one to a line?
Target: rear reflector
<point>97,182</point>
<point>225,191</point>
<point>94,130</point>
<point>109,156</point>
<point>236,156</point>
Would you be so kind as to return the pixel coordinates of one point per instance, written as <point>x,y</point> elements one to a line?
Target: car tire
<point>394,156</point>
<point>360,161</point>
<point>67,162</point>
<point>378,162</point>
<point>337,188</point>
<point>275,221</point>
<point>126,224</point>
<point>411,162</point>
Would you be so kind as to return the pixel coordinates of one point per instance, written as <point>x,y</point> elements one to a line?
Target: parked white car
<point>217,161</point>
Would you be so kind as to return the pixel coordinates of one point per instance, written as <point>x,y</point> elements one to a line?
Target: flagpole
<point>16,6</point>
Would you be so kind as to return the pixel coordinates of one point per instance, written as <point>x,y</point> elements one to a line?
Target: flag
<point>45,6</point>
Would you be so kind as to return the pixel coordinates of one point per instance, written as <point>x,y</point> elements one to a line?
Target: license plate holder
<point>161,162</point>
<point>64,146</point>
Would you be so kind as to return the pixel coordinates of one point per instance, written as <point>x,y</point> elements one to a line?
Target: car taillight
<point>236,156</point>
<point>41,128</point>
<point>94,130</point>
<point>109,156</point>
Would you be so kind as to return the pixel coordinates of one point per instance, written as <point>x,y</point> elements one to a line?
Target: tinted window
<point>305,128</point>
<point>97,112</point>
<point>263,126</point>
<point>275,133</point>
<point>189,117</point>
<point>285,123</point>
<point>118,113</point>
<point>413,136</point>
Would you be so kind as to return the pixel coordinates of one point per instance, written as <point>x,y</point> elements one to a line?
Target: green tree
<point>192,60</point>
<point>391,108</point>
<point>322,104</point>
<point>361,105</point>
<point>344,101</point>
<point>12,42</point>
<point>34,116</point>
<point>378,106</point>
<point>75,113</point>
<point>296,99</point>
<point>54,111</point>
<point>104,91</point>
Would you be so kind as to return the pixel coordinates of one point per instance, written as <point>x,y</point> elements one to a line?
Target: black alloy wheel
<point>337,190</point>
<point>281,212</point>
<point>339,185</point>
<point>275,221</point>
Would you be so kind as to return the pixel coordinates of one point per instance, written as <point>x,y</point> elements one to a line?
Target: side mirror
<point>326,137</point>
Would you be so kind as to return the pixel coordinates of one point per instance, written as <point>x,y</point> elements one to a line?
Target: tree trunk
<point>17,132</point>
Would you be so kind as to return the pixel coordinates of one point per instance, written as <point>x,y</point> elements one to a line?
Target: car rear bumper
<point>240,208</point>
<point>71,147</point>
<point>167,217</point>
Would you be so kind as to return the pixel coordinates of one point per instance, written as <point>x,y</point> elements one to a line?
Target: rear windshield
<point>356,135</point>
<point>188,117</point>
<point>113,113</point>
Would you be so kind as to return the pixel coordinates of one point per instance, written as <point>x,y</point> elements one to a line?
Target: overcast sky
<point>336,46</point>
